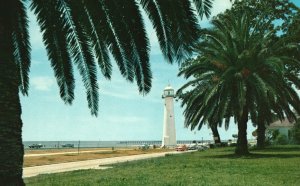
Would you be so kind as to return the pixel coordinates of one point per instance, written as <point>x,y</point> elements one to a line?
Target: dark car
<point>35,146</point>
<point>68,145</point>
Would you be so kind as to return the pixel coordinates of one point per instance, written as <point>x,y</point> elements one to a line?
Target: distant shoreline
<point>103,144</point>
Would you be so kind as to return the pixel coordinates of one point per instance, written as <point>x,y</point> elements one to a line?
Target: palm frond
<point>176,26</point>
<point>56,44</point>
<point>203,7</point>
<point>97,27</point>
<point>21,45</point>
<point>81,51</point>
<point>159,22</point>
<point>139,43</point>
<point>123,39</point>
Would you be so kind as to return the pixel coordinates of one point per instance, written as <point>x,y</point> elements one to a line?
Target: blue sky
<point>124,114</point>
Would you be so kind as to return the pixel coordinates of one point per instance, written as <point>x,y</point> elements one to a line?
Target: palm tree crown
<point>238,72</point>
<point>85,32</point>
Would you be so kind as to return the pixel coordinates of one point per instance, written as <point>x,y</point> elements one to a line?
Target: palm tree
<point>191,101</point>
<point>262,13</point>
<point>83,33</point>
<point>238,73</point>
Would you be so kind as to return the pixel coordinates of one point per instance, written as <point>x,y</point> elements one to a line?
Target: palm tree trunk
<point>11,147</point>
<point>261,129</point>
<point>242,142</point>
<point>214,129</point>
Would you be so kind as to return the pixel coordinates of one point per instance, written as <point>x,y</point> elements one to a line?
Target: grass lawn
<point>273,166</point>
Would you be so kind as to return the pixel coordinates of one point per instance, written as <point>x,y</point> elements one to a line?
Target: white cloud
<point>42,83</point>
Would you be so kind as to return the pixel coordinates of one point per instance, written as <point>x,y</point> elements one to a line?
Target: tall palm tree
<point>238,73</point>
<point>190,99</point>
<point>83,33</point>
<point>264,12</point>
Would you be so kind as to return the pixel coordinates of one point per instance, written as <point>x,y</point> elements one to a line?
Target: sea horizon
<point>103,144</point>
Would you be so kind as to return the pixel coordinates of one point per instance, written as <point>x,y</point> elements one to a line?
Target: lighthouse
<point>169,133</point>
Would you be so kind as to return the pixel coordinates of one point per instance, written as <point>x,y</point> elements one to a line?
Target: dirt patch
<point>62,158</point>
<point>45,151</point>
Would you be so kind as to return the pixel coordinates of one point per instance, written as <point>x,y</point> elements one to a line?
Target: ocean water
<point>100,144</point>
<point>58,144</point>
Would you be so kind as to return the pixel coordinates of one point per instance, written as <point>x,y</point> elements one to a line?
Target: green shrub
<point>281,139</point>
<point>295,133</point>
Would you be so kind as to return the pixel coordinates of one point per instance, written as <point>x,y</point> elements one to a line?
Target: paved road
<point>88,164</point>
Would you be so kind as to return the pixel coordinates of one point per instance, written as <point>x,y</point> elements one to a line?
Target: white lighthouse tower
<point>169,133</point>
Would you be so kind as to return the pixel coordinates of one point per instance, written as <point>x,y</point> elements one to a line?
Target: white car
<point>202,147</point>
<point>192,147</point>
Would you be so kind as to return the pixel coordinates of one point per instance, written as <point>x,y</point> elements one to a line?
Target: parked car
<point>198,147</point>
<point>35,146</point>
<point>144,147</point>
<point>192,147</point>
<point>181,148</point>
<point>202,147</point>
<point>67,145</point>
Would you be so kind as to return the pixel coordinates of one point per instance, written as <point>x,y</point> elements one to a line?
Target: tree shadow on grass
<point>255,156</point>
<point>277,149</point>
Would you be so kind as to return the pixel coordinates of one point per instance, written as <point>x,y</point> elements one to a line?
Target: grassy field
<point>273,166</point>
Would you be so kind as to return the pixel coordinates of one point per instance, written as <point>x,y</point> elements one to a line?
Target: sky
<point>124,114</point>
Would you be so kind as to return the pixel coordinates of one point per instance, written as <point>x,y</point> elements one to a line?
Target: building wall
<point>284,131</point>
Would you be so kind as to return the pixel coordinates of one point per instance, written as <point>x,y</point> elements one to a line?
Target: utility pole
<point>78,146</point>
